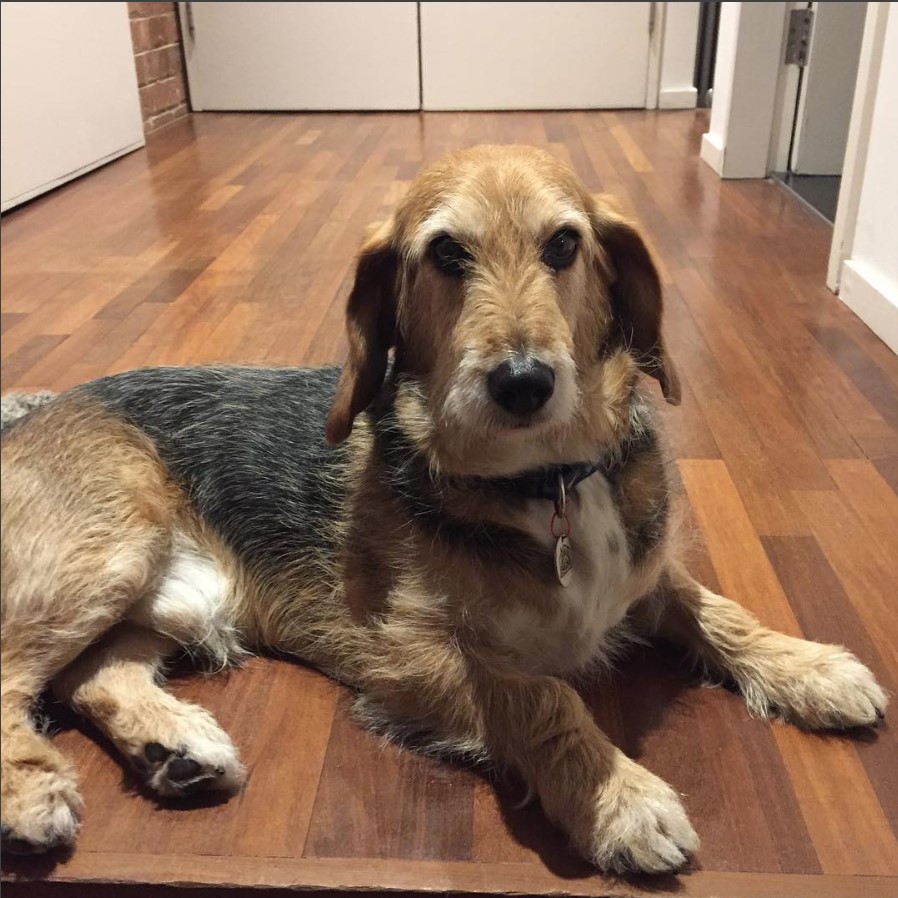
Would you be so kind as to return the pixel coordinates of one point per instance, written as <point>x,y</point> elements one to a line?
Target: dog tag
<point>564,560</point>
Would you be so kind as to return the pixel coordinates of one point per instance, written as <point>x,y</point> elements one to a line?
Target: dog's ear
<point>371,328</point>
<point>635,289</point>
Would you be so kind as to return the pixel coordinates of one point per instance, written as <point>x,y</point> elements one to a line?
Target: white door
<point>826,92</point>
<point>243,56</point>
<point>69,93</point>
<point>534,55</point>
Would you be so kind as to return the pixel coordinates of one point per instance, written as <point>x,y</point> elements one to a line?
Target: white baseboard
<point>712,151</point>
<point>678,98</point>
<point>873,299</point>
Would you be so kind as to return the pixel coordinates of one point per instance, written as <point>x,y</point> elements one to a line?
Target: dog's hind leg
<point>86,526</point>
<point>176,747</point>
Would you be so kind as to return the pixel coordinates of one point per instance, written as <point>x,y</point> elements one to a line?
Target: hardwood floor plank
<point>871,379</point>
<point>843,815</point>
<point>353,876</point>
<point>744,572</point>
<point>826,615</point>
<point>888,470</point>
<point>771,508</point>
<point>867,575</point>
<point>857,839</point>
<point>376,801</point>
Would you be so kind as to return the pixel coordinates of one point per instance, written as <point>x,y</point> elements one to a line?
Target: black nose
<point>521,384</point>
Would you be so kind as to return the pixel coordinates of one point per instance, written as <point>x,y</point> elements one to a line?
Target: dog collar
<point>545,483</point>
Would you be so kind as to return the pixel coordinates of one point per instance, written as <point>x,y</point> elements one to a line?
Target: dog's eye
<point>561,250</point>
<point>449,256</point>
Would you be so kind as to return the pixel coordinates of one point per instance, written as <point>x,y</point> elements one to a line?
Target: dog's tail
<point>14,406</point>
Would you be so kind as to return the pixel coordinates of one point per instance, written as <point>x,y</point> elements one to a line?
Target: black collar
<point>544,483</point>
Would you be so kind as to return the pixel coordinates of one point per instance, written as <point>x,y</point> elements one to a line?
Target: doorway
<point>825,44</point>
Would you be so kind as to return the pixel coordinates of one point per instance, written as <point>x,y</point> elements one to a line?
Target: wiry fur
<point>200,509</point>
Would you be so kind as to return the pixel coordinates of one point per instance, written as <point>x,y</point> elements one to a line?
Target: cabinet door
<point>69,93</point>
<point>534,55</point>
<point>257,56</point>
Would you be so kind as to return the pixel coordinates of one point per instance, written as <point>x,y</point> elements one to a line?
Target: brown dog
<point>491,515</point>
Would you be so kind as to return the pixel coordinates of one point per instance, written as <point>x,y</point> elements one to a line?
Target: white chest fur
<point>567,629</point>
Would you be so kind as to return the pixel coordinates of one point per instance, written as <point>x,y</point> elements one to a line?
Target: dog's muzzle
<point>521,384</point>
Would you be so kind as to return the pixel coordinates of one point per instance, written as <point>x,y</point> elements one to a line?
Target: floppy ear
<point>371,327</point>
<point>636,297</point>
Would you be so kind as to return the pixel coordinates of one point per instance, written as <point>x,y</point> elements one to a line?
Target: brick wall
<point>158,56</point>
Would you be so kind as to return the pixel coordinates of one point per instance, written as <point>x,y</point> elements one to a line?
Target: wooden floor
<point>230,238</point>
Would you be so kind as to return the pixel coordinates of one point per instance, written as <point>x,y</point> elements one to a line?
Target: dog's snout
<point>521,384</point>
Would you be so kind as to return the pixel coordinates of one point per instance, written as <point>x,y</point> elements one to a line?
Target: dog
<point>468,515</point>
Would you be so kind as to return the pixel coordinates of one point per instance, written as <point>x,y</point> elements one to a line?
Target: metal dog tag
<point>564,552</point>
<point>564,560</point>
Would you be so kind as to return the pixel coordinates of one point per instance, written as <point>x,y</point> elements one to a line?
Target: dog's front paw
<point>816,686</point>
<point>41,805</point>
<point>188,754</point>
<point>640,824</point>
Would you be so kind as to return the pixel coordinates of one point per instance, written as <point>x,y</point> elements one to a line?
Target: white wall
<point>678,56</point>
<point>869,280</point>
<point>68,93</point>
<point>749,56</point>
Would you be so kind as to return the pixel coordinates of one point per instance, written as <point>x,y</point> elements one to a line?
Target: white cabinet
<point>69,93</point>
<point>245,56</point>
<point>257,56</point>
<point>534,55</point>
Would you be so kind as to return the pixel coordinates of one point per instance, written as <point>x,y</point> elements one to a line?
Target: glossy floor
<point>231,238</point>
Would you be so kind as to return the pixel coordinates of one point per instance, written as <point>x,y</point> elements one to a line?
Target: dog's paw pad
<point>156,753</point>
<point>210,767</point>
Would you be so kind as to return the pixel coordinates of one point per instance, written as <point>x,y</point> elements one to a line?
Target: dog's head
<point>519,308</point>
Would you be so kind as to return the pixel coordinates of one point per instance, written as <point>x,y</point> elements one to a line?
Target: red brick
<point>146,103</point>
<point>175,62</point>
<point>154,69</point>
<point>140,35</point>
<point>141,64</point>
<point>157,97</point>
<point>164,118</point>
<point>157,64</point>
<point>142,10</point>
<point>163,30</point>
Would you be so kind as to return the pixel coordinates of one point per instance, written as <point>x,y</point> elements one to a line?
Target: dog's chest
<point>566,629</point>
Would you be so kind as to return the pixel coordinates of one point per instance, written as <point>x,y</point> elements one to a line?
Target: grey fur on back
<point>16,405</point>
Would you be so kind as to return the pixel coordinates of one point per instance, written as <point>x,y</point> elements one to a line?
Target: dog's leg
<point>40,801</point>
<point>86,523</point>
<point>808,683</point>
<point>41,635</point>
<point>177,747</point>
<point>617,814</point>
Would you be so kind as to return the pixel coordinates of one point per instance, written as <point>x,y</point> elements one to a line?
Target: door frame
<point>657,26</point>
<point>858,141</point>
<point>786,105</point>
